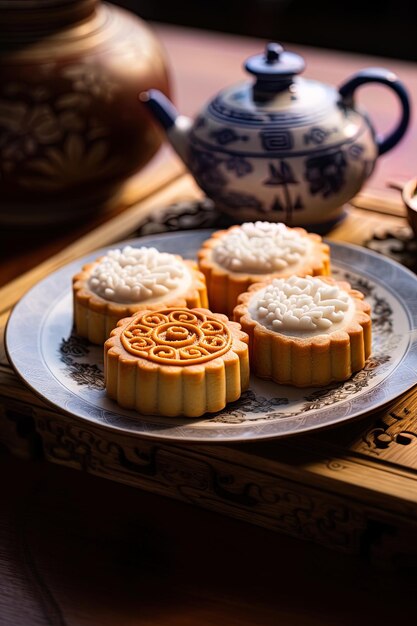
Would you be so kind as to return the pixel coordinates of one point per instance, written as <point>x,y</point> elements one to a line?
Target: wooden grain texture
<point>368,199</point>
<point>76,550</point>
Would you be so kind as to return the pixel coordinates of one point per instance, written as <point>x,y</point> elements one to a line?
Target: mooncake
<point>233,259</point>
<point>305,331</point>
<point>176,362</point>
<point>127,280</point>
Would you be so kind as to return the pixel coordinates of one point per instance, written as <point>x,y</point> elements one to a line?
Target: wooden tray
<point>352,488</point>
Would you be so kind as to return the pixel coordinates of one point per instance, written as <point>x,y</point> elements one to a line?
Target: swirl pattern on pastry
<point>177,337</point>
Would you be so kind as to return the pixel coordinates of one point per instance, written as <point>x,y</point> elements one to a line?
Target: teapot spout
<point>175,125</point>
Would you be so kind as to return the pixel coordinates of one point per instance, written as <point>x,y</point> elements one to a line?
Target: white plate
<point>68,372</point>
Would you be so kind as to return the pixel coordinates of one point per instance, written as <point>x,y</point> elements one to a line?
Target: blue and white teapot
<point>281,148</point>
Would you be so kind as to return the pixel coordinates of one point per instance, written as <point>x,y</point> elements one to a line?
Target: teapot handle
<point>385,77</point>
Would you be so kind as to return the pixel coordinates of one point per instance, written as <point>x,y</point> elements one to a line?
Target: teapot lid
<point>275,68</point>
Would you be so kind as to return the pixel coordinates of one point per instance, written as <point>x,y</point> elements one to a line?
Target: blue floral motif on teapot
<point>325,173</point>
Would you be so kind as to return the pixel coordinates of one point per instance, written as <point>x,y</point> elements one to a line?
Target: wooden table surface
<point>78,550</point>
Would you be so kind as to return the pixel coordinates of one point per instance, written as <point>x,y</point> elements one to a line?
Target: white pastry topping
<point>260,247</point>
<point>136,274</point>
<point>301,305</point>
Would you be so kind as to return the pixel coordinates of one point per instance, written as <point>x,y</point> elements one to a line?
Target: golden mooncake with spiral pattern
<point>176,362</point>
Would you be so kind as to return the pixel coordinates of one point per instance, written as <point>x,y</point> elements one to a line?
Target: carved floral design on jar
<point>25,129</point>
<point>56,142</point>
<point>76,161</point>
<point>90,79</point>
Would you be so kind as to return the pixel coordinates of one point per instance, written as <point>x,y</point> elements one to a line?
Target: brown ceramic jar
<point>71,129</point>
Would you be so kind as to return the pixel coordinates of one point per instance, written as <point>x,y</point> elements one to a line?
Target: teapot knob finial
<point>274,69</point>
<point>272,52</point>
